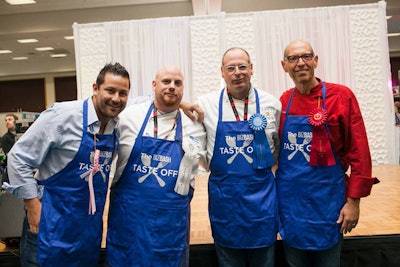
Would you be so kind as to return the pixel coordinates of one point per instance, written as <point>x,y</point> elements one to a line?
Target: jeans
<point>257,257</point>
<point>309,258</point>
<point>28,247</point>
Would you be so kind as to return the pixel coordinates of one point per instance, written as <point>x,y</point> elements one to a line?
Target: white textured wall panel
<point>91,55</point>
<point>206,45</point>
<point>240,32</point>
<point>370,72</point>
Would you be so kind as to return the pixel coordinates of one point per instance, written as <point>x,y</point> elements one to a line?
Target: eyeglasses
<point>295,59</point>
<point>232,68</point>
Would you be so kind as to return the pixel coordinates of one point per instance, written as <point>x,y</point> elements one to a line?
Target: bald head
<point>168,88</point>
<point>296,44</point>
<point>170,68</point>
<point>235,49</point>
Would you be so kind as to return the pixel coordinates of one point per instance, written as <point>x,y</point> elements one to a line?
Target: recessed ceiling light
<point>20,2</point>
<point>393,34</point>
<point>5,51</point>
<point>25,41</point>
<point>58,55</point>
<point>69,37</point>
<point>19,58</point>
<point>48,48</point>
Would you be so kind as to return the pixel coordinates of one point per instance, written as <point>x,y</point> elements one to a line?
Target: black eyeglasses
<point>232,68</point>
<point>295,59</point>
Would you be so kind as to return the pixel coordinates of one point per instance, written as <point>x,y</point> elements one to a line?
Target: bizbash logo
<point>104,167</point>
<point>299,142</point>
<point>234,149</point>
<point>146,168</point>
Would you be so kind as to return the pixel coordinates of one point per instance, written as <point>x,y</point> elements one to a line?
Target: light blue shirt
<point>49,145</point>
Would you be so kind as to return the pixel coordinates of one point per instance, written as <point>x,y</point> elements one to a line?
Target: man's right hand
<point>33,207</point>
<point>190,108</point>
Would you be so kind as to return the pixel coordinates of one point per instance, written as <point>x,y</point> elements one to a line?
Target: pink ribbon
<point>92,201</point>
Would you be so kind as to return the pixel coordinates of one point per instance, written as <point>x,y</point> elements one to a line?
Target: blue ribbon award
<point>262,153</point>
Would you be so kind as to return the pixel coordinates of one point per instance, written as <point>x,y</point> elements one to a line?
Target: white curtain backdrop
<point>351,43</point>
<point>328,31</point>
<point>144,46</point>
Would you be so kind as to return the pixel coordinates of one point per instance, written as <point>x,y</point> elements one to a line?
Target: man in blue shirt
<point>70,148</point>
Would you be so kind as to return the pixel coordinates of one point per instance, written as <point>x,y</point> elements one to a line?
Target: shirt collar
<point>251,91</point>
<point>93,120</point>
<point>250,95</point>
<point>317,88</point>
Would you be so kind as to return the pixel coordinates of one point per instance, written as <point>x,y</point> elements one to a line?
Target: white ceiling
<point>50,20</point>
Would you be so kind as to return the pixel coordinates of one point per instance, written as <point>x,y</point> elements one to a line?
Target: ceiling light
<point>48,48</point>
<point>20,2</point>
<point>388,17</point>
<point>19,58</point>
<point>69,37</point>
<point>25,41</point>
<point>393,34</point>
<point>5,51</point>
<point>58,55</point>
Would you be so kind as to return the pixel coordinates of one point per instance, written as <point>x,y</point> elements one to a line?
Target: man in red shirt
<point>322,135</point>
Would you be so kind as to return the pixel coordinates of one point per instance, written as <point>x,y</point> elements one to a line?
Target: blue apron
<point>242,200</point>
<point>148,221</point>
<point>310,197</point>
<point>68,235</point>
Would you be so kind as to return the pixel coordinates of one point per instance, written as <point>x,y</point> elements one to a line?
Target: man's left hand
<point>349,215</point>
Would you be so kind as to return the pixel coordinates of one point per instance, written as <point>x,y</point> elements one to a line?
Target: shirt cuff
<point>358,187</point>
<point>26,191</point>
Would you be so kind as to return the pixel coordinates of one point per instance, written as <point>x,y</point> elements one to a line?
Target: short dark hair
<point>116,69</point>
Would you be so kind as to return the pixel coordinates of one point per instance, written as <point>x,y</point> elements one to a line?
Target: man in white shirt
<point>242,136</point>
<point>150,197</point>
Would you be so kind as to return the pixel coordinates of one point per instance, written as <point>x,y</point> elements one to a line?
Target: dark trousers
<point>28,247</point>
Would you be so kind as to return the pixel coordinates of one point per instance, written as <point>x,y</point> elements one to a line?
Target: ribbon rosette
<point>321,151</point>
<point>257,122</point>
<point>262,153</point>
<point>317,117</point>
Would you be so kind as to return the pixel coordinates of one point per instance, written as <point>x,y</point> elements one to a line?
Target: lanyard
<point>156,123</point>
<point>246,104</point>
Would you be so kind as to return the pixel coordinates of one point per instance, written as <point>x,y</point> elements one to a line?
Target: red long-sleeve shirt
<point>346,131</point>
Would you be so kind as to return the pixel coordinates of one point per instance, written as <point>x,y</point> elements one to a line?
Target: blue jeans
<point>311,258</point>
<point>28,247</point>
<point>257,257</point>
